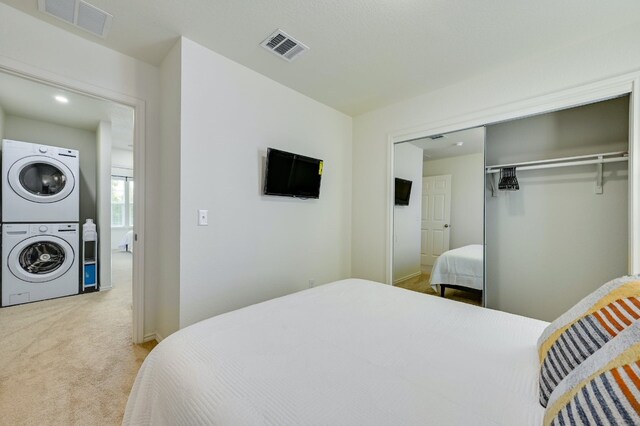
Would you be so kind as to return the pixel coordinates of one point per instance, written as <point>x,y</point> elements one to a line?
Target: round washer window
<point>42,257</point>
<point>42,179</point>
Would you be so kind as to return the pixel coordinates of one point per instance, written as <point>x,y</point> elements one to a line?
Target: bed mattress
<point>351,352</point>
<point>126,243</point>
<point>463,266</point>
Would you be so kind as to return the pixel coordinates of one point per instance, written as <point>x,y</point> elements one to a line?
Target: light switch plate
<point>203,217</point>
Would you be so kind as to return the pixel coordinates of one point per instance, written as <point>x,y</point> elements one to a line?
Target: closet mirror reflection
<point>438,215</point>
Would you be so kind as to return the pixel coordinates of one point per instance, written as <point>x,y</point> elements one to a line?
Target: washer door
<point>40,259</point>
<point>41,179</point>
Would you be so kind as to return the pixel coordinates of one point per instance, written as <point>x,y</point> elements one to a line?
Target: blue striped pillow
<point>604,389</point>
<point>584,329</point>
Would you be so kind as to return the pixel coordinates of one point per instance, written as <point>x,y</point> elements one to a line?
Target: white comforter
<point>126,243</point>
<point>353,352</point>
<point>463,266</point>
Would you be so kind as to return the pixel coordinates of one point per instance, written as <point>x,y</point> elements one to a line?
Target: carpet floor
<point>70,361</point>
<point>421,285</point>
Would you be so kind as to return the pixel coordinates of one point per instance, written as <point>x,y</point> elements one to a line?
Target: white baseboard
<point>152,336</point>
<point>415,274</point>
<point>104,288</point>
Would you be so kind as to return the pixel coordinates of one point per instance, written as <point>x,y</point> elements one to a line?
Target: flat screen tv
<point>403,192</point>
<point>292,175</point>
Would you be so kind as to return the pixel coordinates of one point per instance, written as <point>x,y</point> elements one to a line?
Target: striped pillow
<point>604,389</point>
<point>584,329</point>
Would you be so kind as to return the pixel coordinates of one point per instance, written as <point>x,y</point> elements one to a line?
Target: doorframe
<point>39,75</point>
<point>568,98</point>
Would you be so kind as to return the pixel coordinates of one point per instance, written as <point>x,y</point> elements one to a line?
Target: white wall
<point>467,196</point>
<point>121,159</point>
<point>608,55</point>
<point>554,241</point>
<point>169,288</point>
<point>36,131</point>
<point>407,219</point>
<point>40,49</point>
<point>104,142</point>
<point>2,118</point>
<point>256,247</point>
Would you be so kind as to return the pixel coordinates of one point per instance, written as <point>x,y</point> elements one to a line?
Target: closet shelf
<point>606,157</point>
<point>597,159</point>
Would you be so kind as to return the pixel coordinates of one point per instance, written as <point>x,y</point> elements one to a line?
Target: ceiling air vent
<point>281,44</point>
<point>436,137</point>
<point>79,13</point>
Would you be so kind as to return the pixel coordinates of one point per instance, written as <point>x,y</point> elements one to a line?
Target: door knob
<point>446,225</point>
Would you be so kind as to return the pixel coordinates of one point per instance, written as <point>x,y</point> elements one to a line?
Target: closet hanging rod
<point>564,162</point>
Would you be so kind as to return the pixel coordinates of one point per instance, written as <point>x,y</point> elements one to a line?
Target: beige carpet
<point>421,284</point>
<point>70,361</point>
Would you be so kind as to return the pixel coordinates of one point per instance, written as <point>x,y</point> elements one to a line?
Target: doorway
<point>557,225</point>
<point>122,213</point>
<point>26,98</point>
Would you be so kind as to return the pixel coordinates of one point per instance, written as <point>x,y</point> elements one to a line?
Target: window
<point>121,201</point>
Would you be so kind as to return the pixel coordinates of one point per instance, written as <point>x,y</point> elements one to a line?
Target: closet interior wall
<point>555,240</point>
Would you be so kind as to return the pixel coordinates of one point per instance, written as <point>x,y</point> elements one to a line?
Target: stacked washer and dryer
<point>40,215</point>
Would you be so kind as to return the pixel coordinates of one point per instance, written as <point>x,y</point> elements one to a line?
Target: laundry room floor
<point>70,360</point>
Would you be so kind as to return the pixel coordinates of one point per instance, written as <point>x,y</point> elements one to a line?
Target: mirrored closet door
<point>438,215</point>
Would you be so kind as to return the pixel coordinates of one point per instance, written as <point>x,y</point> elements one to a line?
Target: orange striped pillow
<point>604,389</point>
<point>584,329</point>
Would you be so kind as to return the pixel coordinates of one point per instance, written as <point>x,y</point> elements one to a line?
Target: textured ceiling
<point>364,53</point>
<point>29,99</point>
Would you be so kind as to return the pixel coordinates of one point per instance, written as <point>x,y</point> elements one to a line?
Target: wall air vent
<point>281,44</point>
<point>78,13</point>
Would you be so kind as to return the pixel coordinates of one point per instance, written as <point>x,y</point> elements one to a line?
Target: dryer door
<point>40,259</point>
<point>41,179</point>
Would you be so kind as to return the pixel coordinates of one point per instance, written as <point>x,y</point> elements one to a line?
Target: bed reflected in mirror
<point>438,215</point>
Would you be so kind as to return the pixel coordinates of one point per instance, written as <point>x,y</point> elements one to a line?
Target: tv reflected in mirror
<point>402,192</point>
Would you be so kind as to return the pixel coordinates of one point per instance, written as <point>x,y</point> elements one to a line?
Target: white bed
<point>352,352</point>
<point>461,267</point>
<point>126,243</point>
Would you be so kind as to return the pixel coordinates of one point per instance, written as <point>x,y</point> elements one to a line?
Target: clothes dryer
<point>40,183</point>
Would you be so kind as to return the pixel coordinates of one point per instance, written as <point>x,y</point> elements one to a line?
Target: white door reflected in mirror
<point>436,215</point>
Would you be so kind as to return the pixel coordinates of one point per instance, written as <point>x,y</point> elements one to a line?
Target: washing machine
<point>40,183</point>
<point>40,261</point>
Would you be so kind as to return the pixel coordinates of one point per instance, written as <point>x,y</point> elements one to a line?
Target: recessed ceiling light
<point>459,143</point>
<point>61,99</point>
